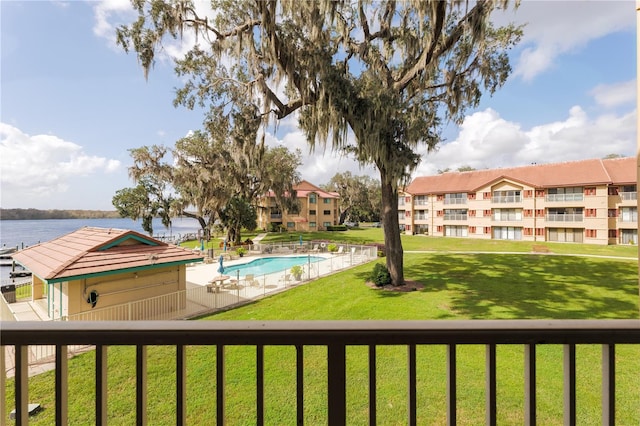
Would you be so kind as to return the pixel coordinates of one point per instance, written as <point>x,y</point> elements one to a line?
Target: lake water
<point>24,233</point>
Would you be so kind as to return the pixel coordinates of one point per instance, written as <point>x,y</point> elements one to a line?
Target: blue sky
<point>72,104</point>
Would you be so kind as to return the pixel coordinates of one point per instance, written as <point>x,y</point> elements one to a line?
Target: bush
<point>337,228</point>
<point>332,248</point>
<point>380,275</point>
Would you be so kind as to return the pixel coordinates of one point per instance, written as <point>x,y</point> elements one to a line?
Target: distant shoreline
<point>35,214</point>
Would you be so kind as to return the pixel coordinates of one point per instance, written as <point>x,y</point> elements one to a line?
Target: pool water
<point>269,265</point>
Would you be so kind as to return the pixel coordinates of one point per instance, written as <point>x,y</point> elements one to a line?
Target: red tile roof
<point>304,188</point>
<point>575,173</point>
<point>89,251</point>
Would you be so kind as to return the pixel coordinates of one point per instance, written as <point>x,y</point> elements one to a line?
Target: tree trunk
<point>391,229</point>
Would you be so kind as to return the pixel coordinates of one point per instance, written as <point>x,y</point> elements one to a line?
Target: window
<point>326,200</point>
<point>629,236</point>
<point>440,213</point>
<point>540,232</point>
<point>613,190</point>
<point>487,229</point>
<point>440,197</point>
<point>539,193</point>
<point>486,213</point>
<point>291,225</point>
<point>327,224</point>
<point>313,198</point>
<point>455,231</point>
<point>507,233</point>
<point>527,231</point>
<point>472,229</point>
<point>326,212</point>
<point>407,200</point>
<point>472,213</point>
<point>455,214</point>
<point>568,235</point>
<point>510,196</point>
<point>613,233</point>
<point>590,190</point>
<point>628,214</point>
<point>471,196</point>
<point>407,213</point>
<point>507,214</point>
<point>486,195</point>
<point>539,212</point>
<point>527,213</point>
<point>401,201</point>
<point>591,233</point>
<point>312,224</point>
<point>590,212</point>
<point>457,198</point>
<point>439,228</point>
<point>528,193</point>
<point>612,213</point>
<point>572,193</point>
<point>312,212</point>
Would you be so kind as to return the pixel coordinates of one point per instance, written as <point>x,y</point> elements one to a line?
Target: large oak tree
<point>385,74</point>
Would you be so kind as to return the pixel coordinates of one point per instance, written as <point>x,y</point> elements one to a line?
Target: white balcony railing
<point>561,217</point>
<point>453,216</point>
<point>455,200</point>
<point>629,196</point>
<point>506,199</point>
<point>565,197</point>
<point>336,337</point>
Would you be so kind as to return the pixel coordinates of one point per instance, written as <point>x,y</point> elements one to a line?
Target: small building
<point>94,268</point>
<point>318,210</point>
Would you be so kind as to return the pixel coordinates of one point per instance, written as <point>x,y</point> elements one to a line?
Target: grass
<point>457,286</point>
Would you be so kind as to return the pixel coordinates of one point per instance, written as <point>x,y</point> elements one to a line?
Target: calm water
<point>24,233</point>
<point>268,265</point>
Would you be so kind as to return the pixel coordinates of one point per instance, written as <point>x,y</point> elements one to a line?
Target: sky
<point>72,104</point>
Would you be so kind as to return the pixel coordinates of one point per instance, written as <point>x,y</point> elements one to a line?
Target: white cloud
<point>488,141</point>
<point>612,95</point>
<point>43,166</point>
<point>554,28</point>
<point>108,15</point>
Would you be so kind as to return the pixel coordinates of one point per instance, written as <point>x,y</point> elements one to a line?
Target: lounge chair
<point>286,278</point>
<point>251,281</point>
<point>340,250</point>
<point>315,249</point>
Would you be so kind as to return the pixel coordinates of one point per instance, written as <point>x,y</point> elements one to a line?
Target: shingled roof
<point>617,171</point>
<point>93,251</point>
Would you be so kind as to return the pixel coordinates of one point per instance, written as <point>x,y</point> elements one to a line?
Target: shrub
<point>241,251</point>
<point>337,228</point>
<point>296,271</point>
<point>380,275</point>
<point>332,248</point>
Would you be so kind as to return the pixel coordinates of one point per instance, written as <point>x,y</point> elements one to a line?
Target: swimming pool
<point>269,265</point>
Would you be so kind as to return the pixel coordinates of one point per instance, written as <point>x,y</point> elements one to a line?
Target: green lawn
<point>457,286</point>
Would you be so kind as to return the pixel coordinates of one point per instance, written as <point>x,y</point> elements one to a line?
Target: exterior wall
<point>120,289</point>
<point>593,214</point>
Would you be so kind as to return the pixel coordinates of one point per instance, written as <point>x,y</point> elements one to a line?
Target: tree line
<point>35,214</point>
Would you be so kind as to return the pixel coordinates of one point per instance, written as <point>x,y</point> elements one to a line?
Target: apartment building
<point>590,201</point>
<point>318,210</point>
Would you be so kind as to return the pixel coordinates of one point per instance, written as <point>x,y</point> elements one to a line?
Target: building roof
<point>304,188</point>
<point>100,251</point>
<point>617,171</point>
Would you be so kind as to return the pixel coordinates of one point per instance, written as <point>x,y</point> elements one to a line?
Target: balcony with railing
<point>564,197</point>
<point>506,199</point>
<point>338,341</point>
<point>455,216</point>
<point>421,217</point>
<point>455,200</point>
<point>564,217</point>
<point>629,196</point>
